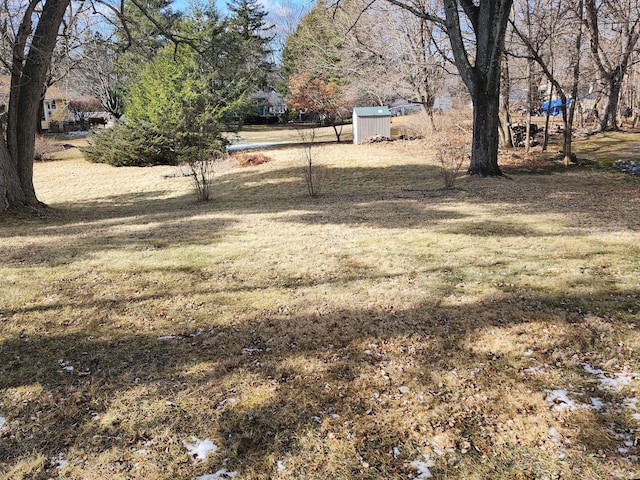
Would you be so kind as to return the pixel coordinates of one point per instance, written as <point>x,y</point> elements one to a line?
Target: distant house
<point>369,122</point>
<point>54,105</point>
<point>269,107</point>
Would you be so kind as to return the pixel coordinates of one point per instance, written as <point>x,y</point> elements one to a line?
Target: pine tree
<point>254,33</point>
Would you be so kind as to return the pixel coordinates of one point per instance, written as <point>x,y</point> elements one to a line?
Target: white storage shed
<point>369,122</point>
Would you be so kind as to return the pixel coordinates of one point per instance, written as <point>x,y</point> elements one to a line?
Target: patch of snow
<point>251,351</point>
<point>223,473</point>
<point>66,365</point>
<point>558,440</point>
<point>540,368</point>
<point>560,400</point>
<point>367,352</point>
<point>3,422</point>
<point>403,389</point>
<point>199,449</point>
<point>528,353</point>
<point>422,466</point>
<point>166,337</point>
<point>60,462</point>
<point>281,466</point>
<point>596,403</point>
<point>589,369</point>
<point>230,400</point>
<point>615,382</point>
<point>632,404</point>
<point>396,452</point>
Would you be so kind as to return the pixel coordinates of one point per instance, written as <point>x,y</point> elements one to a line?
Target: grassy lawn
<point>388,329</point>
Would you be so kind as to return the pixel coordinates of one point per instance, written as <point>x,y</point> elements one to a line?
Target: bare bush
<point>452,152</point>
<point>44,147</point>
<point>307,137</point>
<point>202,172</point>
<point>456,120</point>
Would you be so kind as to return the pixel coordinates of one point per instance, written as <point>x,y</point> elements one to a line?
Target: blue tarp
<point>555,108</point>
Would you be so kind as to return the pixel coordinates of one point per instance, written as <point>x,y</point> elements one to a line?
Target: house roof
<point>372,112</point>
<point>52,93</point>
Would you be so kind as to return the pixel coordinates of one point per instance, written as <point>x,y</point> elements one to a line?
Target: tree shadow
<point>297,379</point>
<point>403,196</point>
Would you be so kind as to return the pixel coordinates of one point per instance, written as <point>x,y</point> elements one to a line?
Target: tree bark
<point>612,64</point>
<point>506,139</point>
<point>609,120</point>
<point>11,194</point>
<point>484,147</point>
<point>28,75</point>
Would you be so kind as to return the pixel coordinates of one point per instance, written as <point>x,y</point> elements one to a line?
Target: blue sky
<point>277,8</point>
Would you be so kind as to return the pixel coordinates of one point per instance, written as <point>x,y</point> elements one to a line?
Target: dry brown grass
<point>345,336</point>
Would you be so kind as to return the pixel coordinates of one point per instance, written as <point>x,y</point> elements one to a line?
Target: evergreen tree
<point>184,98</point>
<point>316,48</point>
<point>254,34</point>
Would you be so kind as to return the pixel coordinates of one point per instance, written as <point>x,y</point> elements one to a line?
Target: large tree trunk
<point>28,75</point>
<point>484,147</point>
<point>483,30</point>
<point>11,194</point>
<point>489,23</point>
<point>609,120</point>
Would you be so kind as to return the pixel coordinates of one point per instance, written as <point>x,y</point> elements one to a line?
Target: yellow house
<point>54,106</point>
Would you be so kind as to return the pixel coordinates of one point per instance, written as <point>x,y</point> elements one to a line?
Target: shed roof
<point>372,112</point>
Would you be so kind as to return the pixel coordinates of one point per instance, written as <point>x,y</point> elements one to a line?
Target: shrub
<point>307,137</point>
<point>44,147</point>
<point>135,144</point>
<point>452,153</point>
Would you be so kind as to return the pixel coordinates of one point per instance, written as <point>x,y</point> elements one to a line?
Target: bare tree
<point>33,45</point>
<point>99,77</point>
<point>476,32</point>
<point>30,33</point>
<point>405,58</point>
<point>543,28</point>
<point>614,31</point>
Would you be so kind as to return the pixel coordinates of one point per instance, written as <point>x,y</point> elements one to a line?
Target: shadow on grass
<point>403,196</point>
<point>322,393</point>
